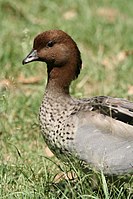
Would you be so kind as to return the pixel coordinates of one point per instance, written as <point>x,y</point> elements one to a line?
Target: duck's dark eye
<point>50,43</point>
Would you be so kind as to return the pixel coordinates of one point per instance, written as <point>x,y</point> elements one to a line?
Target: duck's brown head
<point>59,51</point>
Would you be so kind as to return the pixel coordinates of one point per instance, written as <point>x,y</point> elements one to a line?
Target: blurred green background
<point>103,30</point>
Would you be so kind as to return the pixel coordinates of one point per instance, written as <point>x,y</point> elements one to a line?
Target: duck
<point>96,130</point>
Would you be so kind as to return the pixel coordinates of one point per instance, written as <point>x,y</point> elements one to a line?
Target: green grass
<point>103,31</point>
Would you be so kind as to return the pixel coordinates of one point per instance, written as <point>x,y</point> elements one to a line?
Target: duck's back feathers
<point>117,108</point>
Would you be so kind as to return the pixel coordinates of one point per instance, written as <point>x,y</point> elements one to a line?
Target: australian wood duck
<point>98,130</point>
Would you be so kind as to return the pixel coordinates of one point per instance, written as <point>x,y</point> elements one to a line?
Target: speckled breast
<point>57,126</point>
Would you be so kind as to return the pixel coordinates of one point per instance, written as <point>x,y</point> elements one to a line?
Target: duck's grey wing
<point>103,139</point>
<point>105,143</point>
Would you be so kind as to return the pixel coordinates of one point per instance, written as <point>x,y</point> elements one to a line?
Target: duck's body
<point>98,130</point>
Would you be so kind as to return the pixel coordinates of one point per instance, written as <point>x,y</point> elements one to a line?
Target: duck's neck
<point>59,80</point>
<point>54,90</point>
